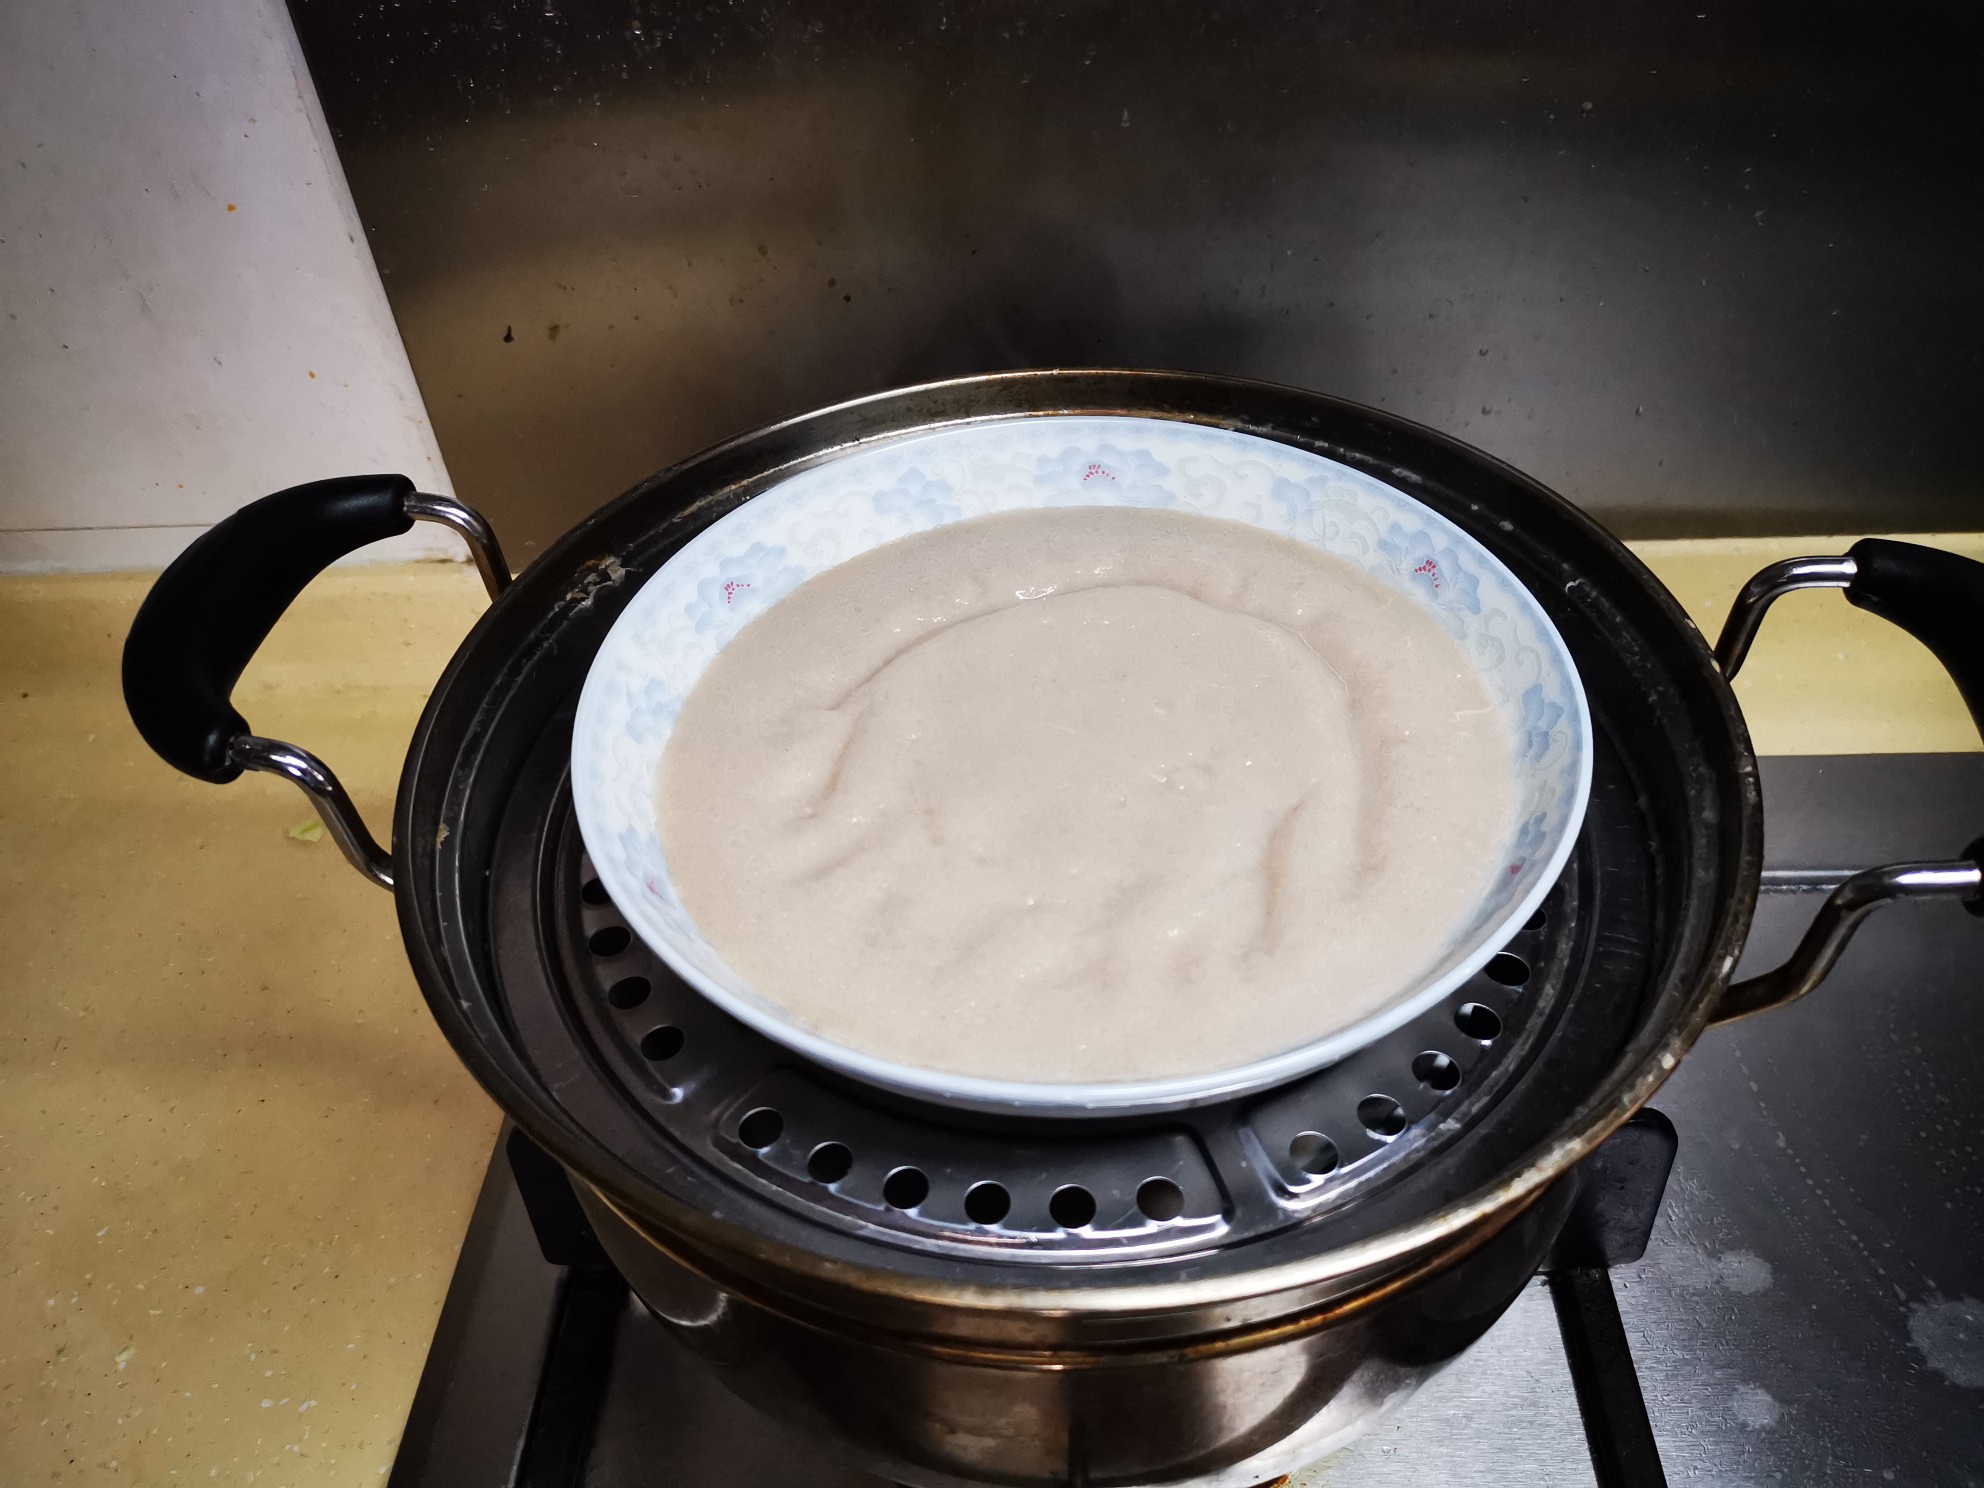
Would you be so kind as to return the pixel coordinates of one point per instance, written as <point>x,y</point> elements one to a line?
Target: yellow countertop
<point>238,1154</point>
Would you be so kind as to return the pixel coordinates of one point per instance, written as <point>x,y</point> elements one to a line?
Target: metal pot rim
<point>1683,998</point>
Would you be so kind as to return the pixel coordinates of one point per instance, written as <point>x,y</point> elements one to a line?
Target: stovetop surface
<point>1810,1311</point>
<point>1811,1308</point>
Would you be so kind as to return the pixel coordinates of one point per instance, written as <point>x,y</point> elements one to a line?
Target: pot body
<point>1230,1409</point>
<point>1228,1361</point>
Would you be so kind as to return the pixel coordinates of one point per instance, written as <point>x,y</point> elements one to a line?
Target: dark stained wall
<point>1702,267</point>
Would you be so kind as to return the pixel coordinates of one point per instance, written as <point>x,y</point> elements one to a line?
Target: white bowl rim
<point>1129,1097</point>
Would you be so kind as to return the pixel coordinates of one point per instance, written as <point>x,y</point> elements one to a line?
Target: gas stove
<point>1802,1305</point>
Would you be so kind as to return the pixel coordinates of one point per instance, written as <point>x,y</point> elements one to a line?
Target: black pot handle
<point>1937,597</point>
<point>208,612</point>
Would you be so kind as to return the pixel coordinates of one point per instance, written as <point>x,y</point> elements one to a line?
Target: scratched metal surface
<point>1810,1310</point>
<point>1502,1414</point>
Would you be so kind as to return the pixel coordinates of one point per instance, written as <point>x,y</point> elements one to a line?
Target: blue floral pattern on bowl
<point>857,499</point>
<point>925,500</point>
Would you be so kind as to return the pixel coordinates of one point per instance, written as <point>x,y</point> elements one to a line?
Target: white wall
<point>178,257</point>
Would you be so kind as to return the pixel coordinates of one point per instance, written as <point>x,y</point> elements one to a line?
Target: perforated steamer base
<point>878,1166</point>
<point>884,1167</point>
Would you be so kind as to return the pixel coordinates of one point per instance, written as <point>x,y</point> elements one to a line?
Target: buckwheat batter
<point>1089,794</point>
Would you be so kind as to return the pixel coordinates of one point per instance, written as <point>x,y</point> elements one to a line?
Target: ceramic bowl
<point>744,563</point>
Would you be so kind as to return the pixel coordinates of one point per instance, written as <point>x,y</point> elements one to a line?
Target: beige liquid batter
<point>1085,795</point>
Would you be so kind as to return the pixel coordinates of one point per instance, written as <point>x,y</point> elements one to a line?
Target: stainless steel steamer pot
<point>1218,1294</point>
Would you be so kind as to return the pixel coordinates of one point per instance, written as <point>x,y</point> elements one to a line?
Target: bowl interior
<point>751,558</point>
